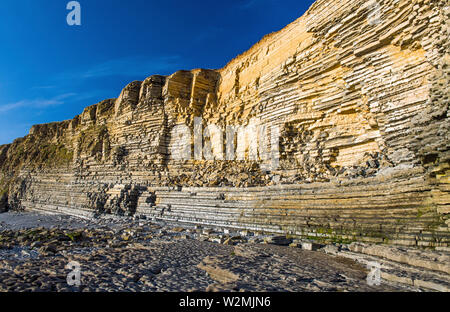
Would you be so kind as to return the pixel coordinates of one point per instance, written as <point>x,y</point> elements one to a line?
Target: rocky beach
<point>128,255</point>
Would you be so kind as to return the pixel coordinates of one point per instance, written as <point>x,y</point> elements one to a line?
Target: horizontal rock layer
<point>352,97</point>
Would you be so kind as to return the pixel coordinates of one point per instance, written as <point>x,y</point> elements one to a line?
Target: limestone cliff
<point>357,91</point>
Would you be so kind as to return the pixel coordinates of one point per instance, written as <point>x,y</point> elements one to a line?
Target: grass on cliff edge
<point>37,155</point>
<point>56,154</point>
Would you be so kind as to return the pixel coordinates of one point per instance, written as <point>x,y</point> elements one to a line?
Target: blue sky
<point>50,71</point>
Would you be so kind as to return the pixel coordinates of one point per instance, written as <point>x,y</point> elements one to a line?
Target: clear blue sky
<point>50,71</point>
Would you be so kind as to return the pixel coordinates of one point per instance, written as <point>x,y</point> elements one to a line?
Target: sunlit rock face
<point>335,127</point>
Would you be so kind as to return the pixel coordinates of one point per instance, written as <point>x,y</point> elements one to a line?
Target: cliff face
<point>352,97</point>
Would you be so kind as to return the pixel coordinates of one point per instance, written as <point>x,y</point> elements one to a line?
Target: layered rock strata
<point>352,101</point>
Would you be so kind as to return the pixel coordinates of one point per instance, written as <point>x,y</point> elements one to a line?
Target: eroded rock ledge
<point>362,108</point>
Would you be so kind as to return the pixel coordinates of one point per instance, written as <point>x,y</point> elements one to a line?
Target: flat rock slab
<point>29,220</point>
<point>278,240</point>
<point>26,220</point>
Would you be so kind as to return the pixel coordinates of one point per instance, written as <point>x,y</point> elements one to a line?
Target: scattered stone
<point>311,246</point>
<point>47,250</point>
<point>217,240</point>
<point>295,245</point>
<point>278,240</point>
